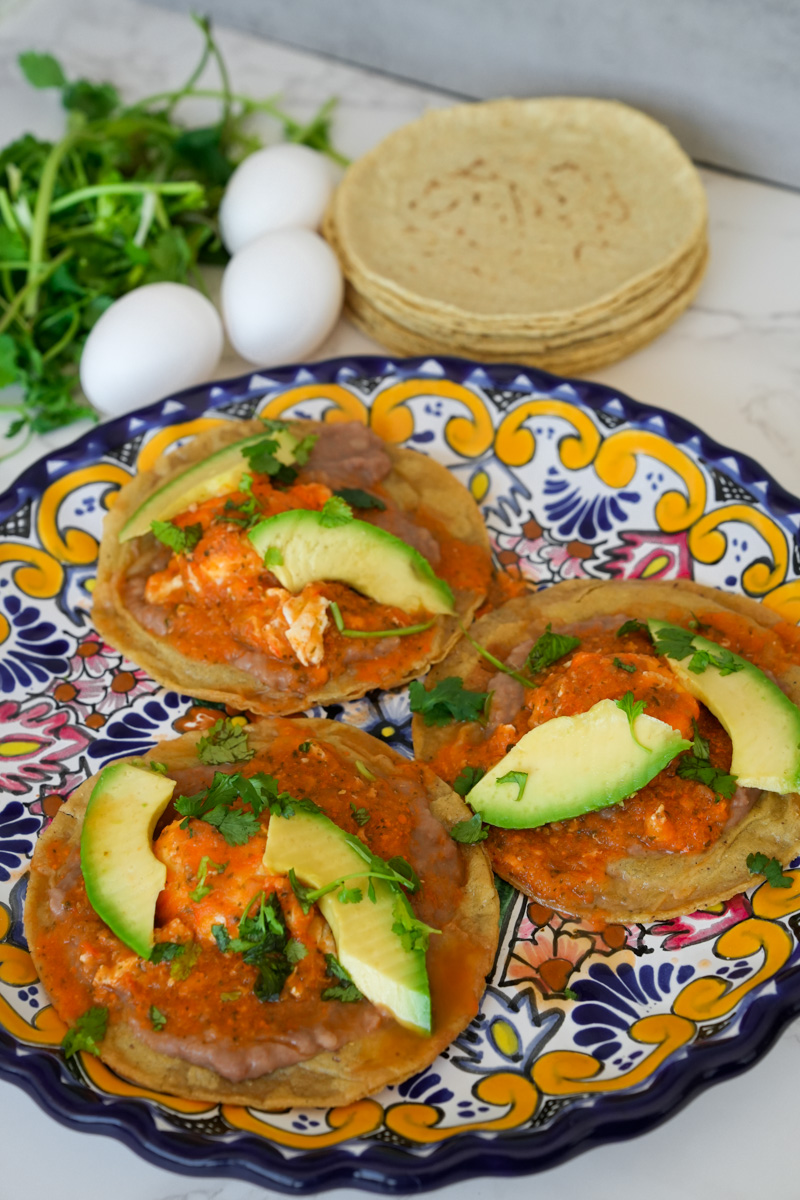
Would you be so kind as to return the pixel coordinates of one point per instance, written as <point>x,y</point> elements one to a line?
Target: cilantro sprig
<point>225,742</point>
<point>518,778</point>
<point>397,872</point>
<point>466,779</point>
<point>344,989</point>
<point>262,457</point>
<point>398,631</point>
<point>87,1032</point>
<point>263,941</point>
<point>632,626</point>
<point>770,868</point>
<point>470,831</point>
<point>128,196</point>
<point>180,540</point>
<point>697,765</point>
<point>675,642</point>
<point>448,701</point>
<point>500,666</point>
<point>549,648</point>
<point>632,709</point>
<point>234,803</point>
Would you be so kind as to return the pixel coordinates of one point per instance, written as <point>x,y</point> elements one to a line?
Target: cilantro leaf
<point>633,626</point>
<point>263,942</point>
<point>470,831</point>
<point>157,1018</point>
<point>87,1032</point>
<point>632,709</point>
<point>167,951</point>
<point>700,746</point>
<point>42,70</point>
<point>448,701</point>
<point>467,778</point>
<point>215,805</point>
<point>203,889</point>
<point>549,648</point>
<point>629,667</point>
<point>700,769</point>
<point>180,541</point>
<point>520,778</point>
<point>225,742</point>
<point>408,876</point>
<point>678,643</point>
<point>770,868</point>
<point>412,932</point>
<point>335,512</point>
<point>345,990</point>
<point>295,951</point>
<point>184,964</point>
<point>221,937</point>
<point>262,461</point>
<point>359,815</point>
<point>357,498</point>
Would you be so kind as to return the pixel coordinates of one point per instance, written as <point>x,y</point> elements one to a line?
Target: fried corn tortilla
<point>379,1052</point>
<point>246,679</point>
<point>650,884</point>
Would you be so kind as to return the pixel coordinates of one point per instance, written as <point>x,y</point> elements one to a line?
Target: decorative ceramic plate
<point>581,1036</point>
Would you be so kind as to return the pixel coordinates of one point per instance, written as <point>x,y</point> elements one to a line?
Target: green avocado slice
<point>122,874</point>
<point>215,476</point>
<point>761,721</point>
<point>368,559</point>
<point>573,765</point>
<point>366,944</point>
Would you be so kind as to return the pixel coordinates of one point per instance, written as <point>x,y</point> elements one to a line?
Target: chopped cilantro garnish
<point>87,1032</point>
<point>215,806</point>
<point>181,541</point>
<point>397,631</point>
<point>159,767</point>
<point>632,709</point>
<point>678,643</point>
<point>520,778</point>
<point>225,742</point>
<point>295,951</point>
<point>412,932</point>
<point>167,951</point>
<point>304,747</point>
<point>335,511</point>
<point>448,701</point>
<point>700,745</point>
<point>470,831</point>
<point>691,766</point>
<point>467,778</point>
<point>184,964</point>
<point>345,990</point>
<point>263,461</point>
<point>357,498</point>
<point>629,667</point>
<point>770,868</point>
<point>549,648</point>
<point>359,815</point>
<point>203,889</point>
<point>273,557</point>
<point>632,626</point>
<point>157,1018</point>
<point>264,943</point>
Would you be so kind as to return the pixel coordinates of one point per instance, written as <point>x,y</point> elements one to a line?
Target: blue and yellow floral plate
<point>581,1036</point>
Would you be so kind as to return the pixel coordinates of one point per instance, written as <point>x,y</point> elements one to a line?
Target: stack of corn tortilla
<point>559,232</point>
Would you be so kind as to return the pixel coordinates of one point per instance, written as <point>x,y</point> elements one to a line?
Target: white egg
<point>279,187</point>
<point>281,296</point>
<point>158,339</point>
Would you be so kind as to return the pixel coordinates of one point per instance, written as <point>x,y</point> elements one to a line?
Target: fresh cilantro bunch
<point>128,196</point>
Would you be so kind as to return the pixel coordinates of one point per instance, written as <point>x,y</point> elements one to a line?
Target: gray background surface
<point>724,75</point>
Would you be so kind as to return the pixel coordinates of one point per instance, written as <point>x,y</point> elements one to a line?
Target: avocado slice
<point>214,476</point>
<point>122,874</point>
<point>573,765</point>
<point>366,944</point>
<point>761,721</point>
<point>368,559</point>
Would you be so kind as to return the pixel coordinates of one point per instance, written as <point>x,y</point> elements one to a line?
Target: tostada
<point>270,915</point>
<point>633,747</point>
<point>276,565</point>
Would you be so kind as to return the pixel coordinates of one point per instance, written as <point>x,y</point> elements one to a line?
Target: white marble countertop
<point>731,364</point>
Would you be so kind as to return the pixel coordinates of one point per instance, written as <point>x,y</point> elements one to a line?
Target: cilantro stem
<point>529,683</point>
<point>66,338</point>
<point>31,288</point>
<point>401,631</point>
<point>41,219</point>
<point>126,189</point>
